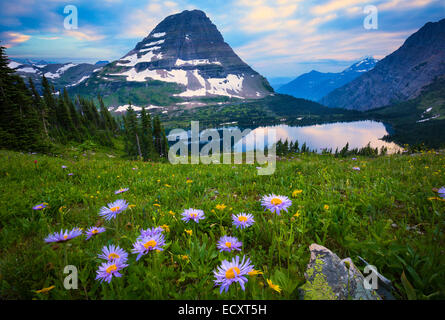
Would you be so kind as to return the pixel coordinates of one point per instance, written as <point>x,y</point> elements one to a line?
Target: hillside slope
<point>398,77</point>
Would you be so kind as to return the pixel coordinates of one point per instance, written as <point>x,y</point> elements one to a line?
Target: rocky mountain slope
<point>183,57</point>
<point>398,77</point>
<point>314,85</point>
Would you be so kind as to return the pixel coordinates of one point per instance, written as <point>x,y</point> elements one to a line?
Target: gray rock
<point>330,278</point>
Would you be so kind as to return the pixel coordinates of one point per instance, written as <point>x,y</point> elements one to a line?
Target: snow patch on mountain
<point>228,86</point>
<point>151,49</point>
<point>154,43</point>
<point>59,71</point>
<point>428,119</point>
<point>134,59</point>
<point>195,62</point>
<point>27,70</point>
<point>81,80</point>
<point>178,76</point>
<point>13,64</point>
<point>158,35</point>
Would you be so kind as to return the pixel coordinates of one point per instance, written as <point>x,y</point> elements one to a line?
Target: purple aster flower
<point>109,269</point>
<point>354,159</point>
<point>230,272</point>
<point>92,231</point>
<point>148,243</point>
<point>226,243</point>
<point>113,209</point>
<point>356,168</point>
<point>40,206</point>
<point>121,190</point>
<point>276,203</point>
<point>441,192</point>
<point>150,232</point>
<point>64,167</point>
<point>63,236</point>
<point>112,253</point>
<point>192,214</point>
<point>243,220</point>
<point>70,174</point>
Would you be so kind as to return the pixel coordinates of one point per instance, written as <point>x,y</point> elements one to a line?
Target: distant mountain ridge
<point>314,85</point>
<point>398,77</point>
<point>59,74</point>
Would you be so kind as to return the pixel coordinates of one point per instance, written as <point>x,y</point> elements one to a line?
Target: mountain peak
<point>187,49</point>
<point>365,64</point>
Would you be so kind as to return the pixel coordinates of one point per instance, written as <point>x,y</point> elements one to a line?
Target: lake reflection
<point>333,135</point>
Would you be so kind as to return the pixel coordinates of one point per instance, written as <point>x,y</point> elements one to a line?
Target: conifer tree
<point>133,142</point>
<point>40,106</point>
<point>50,102</point>
<point>157,134</point>
<point>146,136</point>
<point>20,127</point>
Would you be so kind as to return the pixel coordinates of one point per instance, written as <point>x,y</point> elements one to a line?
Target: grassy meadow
<point>388,213</point>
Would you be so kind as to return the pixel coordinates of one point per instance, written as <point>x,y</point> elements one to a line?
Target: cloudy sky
<point>278,38</point>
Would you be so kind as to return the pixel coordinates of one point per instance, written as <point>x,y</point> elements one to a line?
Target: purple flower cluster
<point>149,240</point>
<point>63,236</point>
<point>226,243</point>
<point>116,259</point>
<point>92,231</point>
<point>242,220</point>
<point>230,272</point>
<point>276,203</point>
<point>192,214</point>
<point>113,209</point>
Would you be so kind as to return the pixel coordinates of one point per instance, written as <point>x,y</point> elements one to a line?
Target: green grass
<point>381,213</point>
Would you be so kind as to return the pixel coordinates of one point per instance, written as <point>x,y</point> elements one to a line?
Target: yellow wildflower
<point>189,181</point>
<point>273,286</point>
<point>156,204</point>
<point>45,290</point>
<point>296,215</point>
<point>165,227</point>
<point>189,232</point>
<point>220,207</point>
<point>296,193</point>
<point>132,206</point>
<point>326,207</point>
<point>172,213</point>
<point>254,272</point>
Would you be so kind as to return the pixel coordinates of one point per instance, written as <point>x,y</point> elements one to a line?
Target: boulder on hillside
<point>330,278</point>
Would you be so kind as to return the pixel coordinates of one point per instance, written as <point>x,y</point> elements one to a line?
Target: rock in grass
<point>330,278</point>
